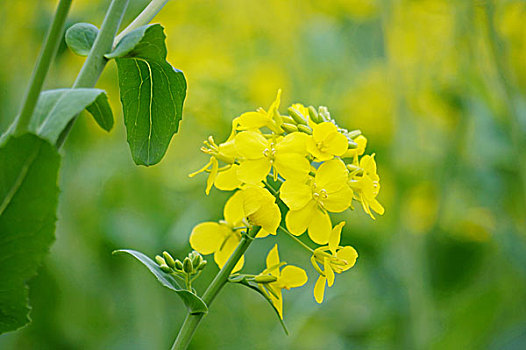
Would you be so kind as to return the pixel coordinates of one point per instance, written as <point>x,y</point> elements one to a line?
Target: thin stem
<point>191,322</point>
<point>143,18</point>
<point>94,64</point>
<point>309,249</point>
<point>47,54</point>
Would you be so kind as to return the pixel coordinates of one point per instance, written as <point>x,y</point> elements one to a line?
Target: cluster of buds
<point>188,269</point>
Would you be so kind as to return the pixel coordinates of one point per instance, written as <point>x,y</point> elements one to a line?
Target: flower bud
<point>178,265</point>
<point>169,260</point>
<point>265,279</point>
<point>324,114</point>
<point>202,265</point>
<point>289,127</point>
<point>354,133</point>
<point>314,115</point>
<point>287,119</point>
<point>166,268</point>
<point>304,128</point>
<point>196,260</point>
<point>187,265</point>
<point>297,116</point>
<point>160,261</point>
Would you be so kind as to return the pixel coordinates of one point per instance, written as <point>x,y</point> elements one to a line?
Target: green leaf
<point>28,202</point>
<point>80,38</point>
<point>242,280</point>
<point>194,303</point>
<point>55,108</point>
<point>152,93</point>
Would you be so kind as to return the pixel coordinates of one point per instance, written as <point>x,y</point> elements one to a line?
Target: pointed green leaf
<point>28,202</point>
<point>80,38</point>
<point>242,280</point>
<point>194,303</point>
<point>55,108</point>
<point>152,93</point>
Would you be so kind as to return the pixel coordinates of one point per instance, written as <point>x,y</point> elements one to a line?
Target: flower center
<point>319,195</point>
<point>270,152</point>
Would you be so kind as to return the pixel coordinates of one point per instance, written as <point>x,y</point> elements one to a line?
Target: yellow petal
<point>292,277</point>
<point>250,144</point>
<point>328,271</point>
<point>338,201</point>
<point>254,198</point>
<point>277,300</point>
<point>377,207</point>
<point>295,142</point>
<point>295,194</point>
<point>262,233</point>
<point>334,239</point>
<point>321,131</point>
<point>233,211</point>
<point>319,289</point>
<point>253,171</point>
<point>292,166</point>
<point>298,220</point>
<point>320,226</point>
<point>273,260</point>
<point>349,255</point>
<point>313,149</point>
<point>252,120</point>
<point>268,216</point>
<point>331,175</point>
<point>336,144</point>
<point>227,180</point>
<point>207,237</point>
<point>225,251</point>
<point>212,175</point>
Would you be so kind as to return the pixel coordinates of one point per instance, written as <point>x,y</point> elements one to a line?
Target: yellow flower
<point>334,258</point>
<point>224,178</point>
<point>326,142</point>
<point>358,151</point>
<point>221,238</point>
<point>365,183</point>
<point>261,118</point>
<point>286,278</point>
<point>286,155</point>
<point>260,208</point>
<point>309,201</point>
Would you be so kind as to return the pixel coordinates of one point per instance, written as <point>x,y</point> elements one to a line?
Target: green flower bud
<point>196,260</point>
<point>160,261</point>
<point>187,265</point>
<point>169,260</point>
<point>287,119</point>
<point>297,116</point>
<point>352,167</point>
<point>324,113</point>
<point>166,268</point>
<point>354,133</point>
<point>265,279</point>
<point>178,265</point>
<point>304,128</point>
<point>314,115</point>
<point>202,265</point>
<point>289,127</point>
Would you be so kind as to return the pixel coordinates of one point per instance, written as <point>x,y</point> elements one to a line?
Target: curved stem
<point>47,54</point>
<point>94,64</point>
<point>191,322</point>
<point>306,247</point>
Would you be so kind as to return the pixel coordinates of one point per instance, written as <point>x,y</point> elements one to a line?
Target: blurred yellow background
<point>437,86</point>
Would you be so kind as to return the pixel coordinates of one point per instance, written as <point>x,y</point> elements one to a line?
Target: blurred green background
<point>437,86</point>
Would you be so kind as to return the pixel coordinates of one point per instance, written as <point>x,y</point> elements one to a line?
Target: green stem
<point>47,54</point>
<point>309,249</point>
<point>191,322</point>
<point>144,18</point>
<point>94,64</point>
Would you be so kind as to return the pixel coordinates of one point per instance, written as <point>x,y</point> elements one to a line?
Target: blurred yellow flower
<point>221,238</point>
<point>326,142</point>
<point>309,201</point>
<point>334,258</point>
<point>286,278</point>
<point>365,183</point>
<point>258,155</point>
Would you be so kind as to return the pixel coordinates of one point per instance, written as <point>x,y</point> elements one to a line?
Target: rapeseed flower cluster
<point>303,160</point>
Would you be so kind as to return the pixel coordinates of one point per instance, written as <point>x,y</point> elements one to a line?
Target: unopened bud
<point>287,119</point>
<point>166,268</point>
<point>324,114</point>
<point>352,167</point>
<point>196,261</point>
<point>202,265</point>
<point>178,265</point>
<point>265,279</point>
<point>304,128</point>
<point>354,133</point>
<point>169,260</point>
<point>352,144</point>
<point>297,116</point>
<point>289,127</point>
<point>187,265</point>
<point>160,260</point>
<point>314,115</point>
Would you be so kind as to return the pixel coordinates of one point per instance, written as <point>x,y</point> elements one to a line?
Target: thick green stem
<point>47,54</point>
<point>143,18</point>
<point>191,322</point>
<point>94,64</point>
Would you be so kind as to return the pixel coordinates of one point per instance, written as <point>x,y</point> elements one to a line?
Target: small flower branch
<point>192,321</point>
